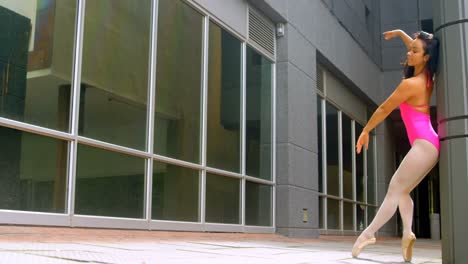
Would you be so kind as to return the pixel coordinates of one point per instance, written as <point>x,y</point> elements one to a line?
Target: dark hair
<point>431,48</point>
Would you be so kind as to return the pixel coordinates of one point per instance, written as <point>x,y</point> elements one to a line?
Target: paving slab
<point>25,244</point>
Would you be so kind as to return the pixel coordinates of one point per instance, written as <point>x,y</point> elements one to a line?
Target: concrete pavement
<point>19,244</point>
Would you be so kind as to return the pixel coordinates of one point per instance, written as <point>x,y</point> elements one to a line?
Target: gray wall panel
<point>297,167</point>
<point>282,103</point>
<point>279,6</point>
<point>295,199</point>
<point>312,19</point>
<point>392,57</point>
<point>341,95</point>
<point>425,9</point>
<point>361,24</point>
<point>300,51</point>
<point>399,11</point>
<point>302,110</point>
<point>397,15</point>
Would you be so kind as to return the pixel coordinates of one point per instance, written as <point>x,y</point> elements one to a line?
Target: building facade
<point>202,115</point>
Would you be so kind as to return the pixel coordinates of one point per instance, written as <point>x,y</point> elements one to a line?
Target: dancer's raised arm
<point>399,33</point>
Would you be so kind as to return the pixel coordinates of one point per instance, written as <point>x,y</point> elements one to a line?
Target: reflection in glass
<point>258,204</point>
<point>360,216</point>
<point>109,183</point>
<point>319,142</point>
<point>115,71</point>
<point>348,216</point>
<point>321,216</point>
<point>258,115</point>
<point>332,150</point>
<point>178,82</point>
<point>33,172</point>
<point>175,193</point>
<point>224,96</point>
<point>36,51</point>
<point>371,171</point>
<point>222,199</point>
<point>370,214</point>
<point>347,158</point>
<point>359,167</point>
<point>333,214</point>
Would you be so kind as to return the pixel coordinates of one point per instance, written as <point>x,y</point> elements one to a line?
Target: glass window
<point>359,166</point>
<point>333,214</point>
<point>36,58</point>
<point>321,207</point>
<point>347,157</point>
<point>371,171</point>
<point>370,214</point>
<point>224,97</point>
<point>178,82</point>
<point>222,199</point>
<point>332,150</point>
<point>360,216</point>
<point>258,204</point>
<point>175,193</point>
<point>258,123</point>
<point>33,172</point>
<point>115,71</point>
<point>348,216</point>
<point>319,143</point>
<point>109,183</point>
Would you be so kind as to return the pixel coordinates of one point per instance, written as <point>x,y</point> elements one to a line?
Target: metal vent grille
<point>320,79</point>
<point>261,32</point>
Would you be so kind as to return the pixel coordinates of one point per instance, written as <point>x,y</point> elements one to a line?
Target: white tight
<point>421,158</point>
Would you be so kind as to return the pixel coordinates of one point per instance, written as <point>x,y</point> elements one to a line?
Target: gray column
<point>452,101</point>
<point>296,160</point>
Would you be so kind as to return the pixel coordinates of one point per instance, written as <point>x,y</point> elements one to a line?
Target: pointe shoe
<point>407,246</point>
<point>358,248</point>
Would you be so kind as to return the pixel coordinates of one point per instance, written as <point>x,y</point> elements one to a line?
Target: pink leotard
<point>418,124</point>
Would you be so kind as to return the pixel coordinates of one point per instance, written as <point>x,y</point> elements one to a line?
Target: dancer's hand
<point>391,34</point>
<point>362,140</point>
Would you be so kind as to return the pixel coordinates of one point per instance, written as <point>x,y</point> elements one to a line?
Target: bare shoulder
<point>414,83</point>
<point>411,86</point>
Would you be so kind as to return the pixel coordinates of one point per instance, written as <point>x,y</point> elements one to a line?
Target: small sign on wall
<point>305,215</point>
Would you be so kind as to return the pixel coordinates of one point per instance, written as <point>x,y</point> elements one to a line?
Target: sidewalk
<point>40,245</point>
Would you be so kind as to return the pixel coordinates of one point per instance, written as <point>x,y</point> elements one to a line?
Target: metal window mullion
<point>150,110</point>
<point>273,142</point>
<point>206,25</point>
<point>365,185</point>
<point>34,129</point>
<point>75,99</point>
<point>353,145</point>
<point>374,158</point>
<point>243,128</point>
<point>365,174</point>
<point>324,163</point>
<point>340,168</point>
<point>111,147</point>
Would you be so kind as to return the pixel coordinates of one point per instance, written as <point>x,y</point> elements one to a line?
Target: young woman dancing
<point>413,96</point>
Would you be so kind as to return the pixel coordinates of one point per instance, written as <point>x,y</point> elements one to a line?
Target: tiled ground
<point>75,245</point>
